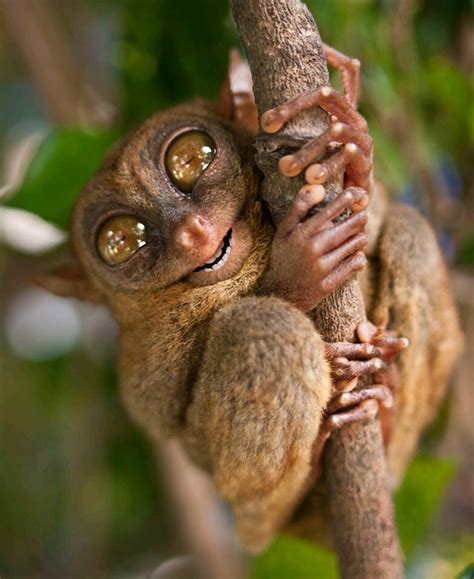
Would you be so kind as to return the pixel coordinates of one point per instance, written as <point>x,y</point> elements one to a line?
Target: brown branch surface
<point>199,516</point>
<point>286,58</point>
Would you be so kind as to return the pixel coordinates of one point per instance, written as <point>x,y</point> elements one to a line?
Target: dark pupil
<point>188,156</point>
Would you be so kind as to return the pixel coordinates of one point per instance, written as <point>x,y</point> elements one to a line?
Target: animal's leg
<point>257,407</point>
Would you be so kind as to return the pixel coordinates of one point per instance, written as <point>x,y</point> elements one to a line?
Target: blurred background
<point>80,493</point>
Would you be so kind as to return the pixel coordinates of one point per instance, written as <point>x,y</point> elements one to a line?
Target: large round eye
<point>187,157</point>
<point>120,237</point>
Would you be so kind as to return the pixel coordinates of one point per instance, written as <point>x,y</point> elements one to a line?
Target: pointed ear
<point>236,101</point>
<point>68,280</point>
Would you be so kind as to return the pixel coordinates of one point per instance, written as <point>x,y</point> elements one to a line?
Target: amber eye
<point>120,237</point>
<point>187,157</point>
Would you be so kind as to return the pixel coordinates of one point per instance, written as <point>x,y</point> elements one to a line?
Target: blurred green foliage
<point>416,503</point>
<point>172,51</point>
<point>61,497</point>
<point>79,153</point>
<point>416,94</point>
<point>467,573</point>
<point>290,557</point>
<point>78,484</point>
<point>418,499</point>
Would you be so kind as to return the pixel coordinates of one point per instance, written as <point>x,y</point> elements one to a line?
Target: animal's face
<point>169,204</point>
<point>173,202</point>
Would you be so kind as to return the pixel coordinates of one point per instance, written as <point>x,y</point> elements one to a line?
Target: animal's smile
<point>219,259</point>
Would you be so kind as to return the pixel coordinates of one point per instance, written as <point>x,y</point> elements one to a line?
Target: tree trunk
<point>286,58</point>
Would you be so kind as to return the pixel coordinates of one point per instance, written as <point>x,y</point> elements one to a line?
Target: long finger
<point>307,197</point>
<point>324,217</point>
<point>350,350</point>
<point>349,399</point>
<point>391,343</point>
<point>364,412</point>
<point>323,171</point>
<point>347,268</point>
<point>332,237</point>
<point>325,97</point>
<point>355,369</point>
<point>331,260</point>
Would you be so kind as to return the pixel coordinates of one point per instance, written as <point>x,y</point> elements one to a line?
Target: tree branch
<point>200,520</point>
<point>286,58</point>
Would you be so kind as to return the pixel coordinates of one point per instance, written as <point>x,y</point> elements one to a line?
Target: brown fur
<point>243,381</point>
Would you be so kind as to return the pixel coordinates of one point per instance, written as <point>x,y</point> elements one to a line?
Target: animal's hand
<point>349,405</point>
<point>346,145</point>
<point>389,345</point>
<point>374,356</point>
<point>311,255</point>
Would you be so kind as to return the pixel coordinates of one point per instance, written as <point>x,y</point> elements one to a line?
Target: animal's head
<point>172,202</point>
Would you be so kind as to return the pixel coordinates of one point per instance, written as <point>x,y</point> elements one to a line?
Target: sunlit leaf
<point>291,558</point>
<point>466,253</point>
<point>417,500</point>
<point>467,573</point>
<point>173,51</point>
<point>63,163</point>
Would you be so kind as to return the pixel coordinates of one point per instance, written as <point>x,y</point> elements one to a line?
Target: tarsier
<point>216,345</point>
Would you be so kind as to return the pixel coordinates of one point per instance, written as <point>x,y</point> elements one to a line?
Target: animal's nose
<point>194,233</point>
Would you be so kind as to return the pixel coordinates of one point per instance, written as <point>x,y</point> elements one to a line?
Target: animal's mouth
<point>219,259</point>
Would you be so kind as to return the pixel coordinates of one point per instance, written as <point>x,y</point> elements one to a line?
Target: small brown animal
<point>213,302</point>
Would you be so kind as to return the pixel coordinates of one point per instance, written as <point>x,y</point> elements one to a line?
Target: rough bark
<point>286,58</point>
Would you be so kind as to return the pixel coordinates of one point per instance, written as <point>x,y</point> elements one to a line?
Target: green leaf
<point>416,503</point>
<point>291,558</point>
<point>172,51</point>
<point>467,573</point>
<point>63,163</point>
<point>417,500</point>
<point>466,253</point>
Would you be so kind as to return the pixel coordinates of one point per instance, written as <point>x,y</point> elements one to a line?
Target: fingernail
<point>288,166</point>
<point>317,192</point>
<point>362,258</point>
<point>326,91</point>
<point>351,148</point>
<point>365,331</point>
<point>271,122</point>
<point>369,349</point>
<point>316,174</point>
<point>388,402</point>
<point>344,398</point>
<point>351,384</point>
<point>348,196</point>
